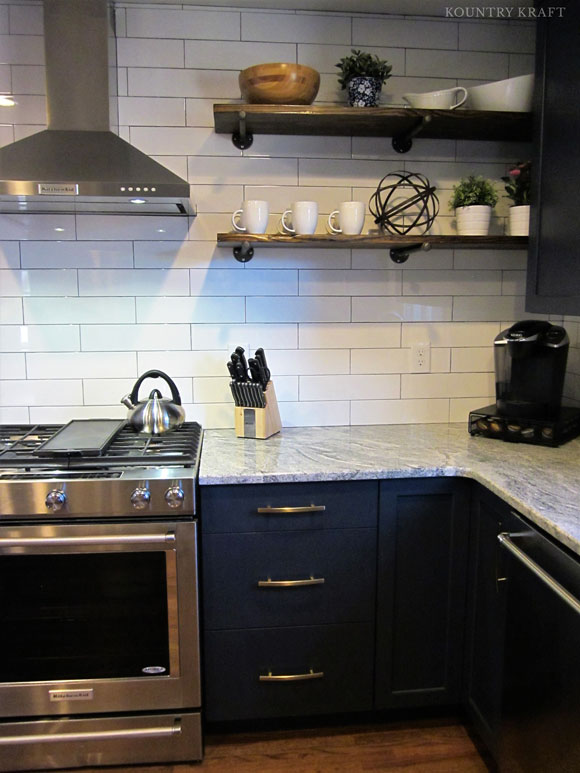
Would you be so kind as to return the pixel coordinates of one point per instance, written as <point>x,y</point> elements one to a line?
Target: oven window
<point>83,616</point>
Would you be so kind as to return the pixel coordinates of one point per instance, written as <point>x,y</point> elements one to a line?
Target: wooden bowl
<point>278,83</point>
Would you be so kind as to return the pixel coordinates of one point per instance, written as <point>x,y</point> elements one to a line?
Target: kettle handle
<point>155,374</point>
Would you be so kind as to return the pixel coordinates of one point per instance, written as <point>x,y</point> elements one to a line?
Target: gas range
<point>137,475</point>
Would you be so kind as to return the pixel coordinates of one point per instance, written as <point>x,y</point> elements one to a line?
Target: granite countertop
<point>541,483</point>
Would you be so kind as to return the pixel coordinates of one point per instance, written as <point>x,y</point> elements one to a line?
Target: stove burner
<point>18,444</point>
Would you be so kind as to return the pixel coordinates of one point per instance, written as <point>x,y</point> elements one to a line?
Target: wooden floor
<point>425,746</point>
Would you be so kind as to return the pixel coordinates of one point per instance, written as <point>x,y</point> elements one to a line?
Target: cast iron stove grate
<point>180,447</point>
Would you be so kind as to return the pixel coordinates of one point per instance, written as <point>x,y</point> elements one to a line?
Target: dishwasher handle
<point>505,540</point>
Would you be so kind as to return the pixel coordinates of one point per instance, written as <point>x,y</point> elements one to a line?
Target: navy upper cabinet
<point>553,284</point>
<point>421,583</point>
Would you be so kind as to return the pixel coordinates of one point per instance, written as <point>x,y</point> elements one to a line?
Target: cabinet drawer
<point>311,506</point>
<point>234,564</point>
<point>337,661</point>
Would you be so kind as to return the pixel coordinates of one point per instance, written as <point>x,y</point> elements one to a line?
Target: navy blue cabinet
<point>553,281</point>
<point>421,590</point>
<point>288,585</point>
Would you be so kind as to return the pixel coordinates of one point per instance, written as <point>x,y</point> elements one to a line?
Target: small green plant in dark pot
<point>473,199</point>
<point>363,74</point>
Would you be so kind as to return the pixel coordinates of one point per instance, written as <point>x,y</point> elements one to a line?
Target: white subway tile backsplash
<point>173,82</point>
<point>194,309</point>
<point>139,52</point>
<point>315,414</point>
<point>398,309</point>
<point>472,359</point>
<point>53,282</point>
<point>295,28</point>
<point>352,282</point>
<point>350,387</point>
<point>120,227</point>
<point>189,24</point>
<point>12,366</point>
<point>410,33</point>
<point>158,291</point>
<point>452,334</point>
<point>235,55</point>
<point>152,111</point>
<point>399,411</point>
<point>77,254</point>
<point>258,282</point>
<point>348,336</point>
<point>39,338</point>
<point>222,335</point>
<point>488,309</point>
<point>451,282</point>
<point>78,310</point>
<point>26,227</point>
<point>307,362</point>
<point>133,282</point>
<point>22,49</point>
<point>82,364</point>
<point>41,392</point>
<point>298,310</point>
<point>11,311</point>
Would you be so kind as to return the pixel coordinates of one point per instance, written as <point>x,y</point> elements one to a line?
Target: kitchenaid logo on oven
<point>58,189</point>
<point>503,12</point>
<point>71,695</point>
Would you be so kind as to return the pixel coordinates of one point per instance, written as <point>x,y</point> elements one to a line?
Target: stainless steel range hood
<point>78,164</point>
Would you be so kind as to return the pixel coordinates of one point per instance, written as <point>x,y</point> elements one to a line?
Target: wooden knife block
<point>259,423</point>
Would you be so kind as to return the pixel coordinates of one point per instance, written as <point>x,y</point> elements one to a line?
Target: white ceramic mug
<point>351,218</point>
<point>304,215</point>
<point>446,99</point>
<point>253,217</point>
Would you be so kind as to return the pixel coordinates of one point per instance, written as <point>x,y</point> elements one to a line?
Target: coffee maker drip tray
<point>488,422</point>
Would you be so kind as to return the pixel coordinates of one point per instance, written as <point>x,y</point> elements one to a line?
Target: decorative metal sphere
<point>404,201</point>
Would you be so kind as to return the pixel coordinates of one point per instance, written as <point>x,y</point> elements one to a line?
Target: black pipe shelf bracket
<point>243,252</point>
<point>403,143</point>
<point>243,138</point>
<point>401,254</point>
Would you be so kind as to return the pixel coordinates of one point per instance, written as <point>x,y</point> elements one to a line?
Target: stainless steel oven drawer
<point>122,740</point>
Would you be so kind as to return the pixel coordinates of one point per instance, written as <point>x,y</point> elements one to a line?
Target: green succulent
<point>361,63</point>
<point>472,191</point>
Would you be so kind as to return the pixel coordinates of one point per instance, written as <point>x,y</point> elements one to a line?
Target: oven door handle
<point>92,735</point>
<point>90,539</point>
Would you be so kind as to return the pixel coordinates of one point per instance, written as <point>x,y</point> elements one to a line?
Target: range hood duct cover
<point>78,164</point>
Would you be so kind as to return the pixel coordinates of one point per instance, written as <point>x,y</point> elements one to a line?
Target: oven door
<point>98,618</point>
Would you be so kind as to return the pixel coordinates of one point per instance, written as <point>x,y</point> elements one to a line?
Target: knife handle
<point>240,371</point>
<point>261,357</point>
<point>240,352</point>
<point>231,369</point>
<point>254,369</point>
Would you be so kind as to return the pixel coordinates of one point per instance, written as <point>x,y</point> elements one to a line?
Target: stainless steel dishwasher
<point>540,730</point>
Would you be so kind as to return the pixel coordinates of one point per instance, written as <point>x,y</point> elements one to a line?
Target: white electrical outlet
<point>421,358</point>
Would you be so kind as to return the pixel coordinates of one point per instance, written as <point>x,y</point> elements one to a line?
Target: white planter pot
<point>520,220</point>
<point>473,220</point>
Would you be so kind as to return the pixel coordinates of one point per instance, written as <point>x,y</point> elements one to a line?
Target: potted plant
<point>363,74</point>
<point>518,190</point>
<point>473,199</point>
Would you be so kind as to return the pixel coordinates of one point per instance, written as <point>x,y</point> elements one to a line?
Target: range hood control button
<point>140,498</point>
<point>55,500</point>
<point>174,496</point>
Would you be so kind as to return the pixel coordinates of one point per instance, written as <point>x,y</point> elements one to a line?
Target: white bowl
<point>511,94</point>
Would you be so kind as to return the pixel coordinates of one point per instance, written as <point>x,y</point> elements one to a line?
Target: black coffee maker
<point>530,365</point>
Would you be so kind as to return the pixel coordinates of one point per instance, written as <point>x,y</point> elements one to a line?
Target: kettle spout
<point>127,402</point>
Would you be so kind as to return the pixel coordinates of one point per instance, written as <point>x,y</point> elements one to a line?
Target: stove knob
<point>55,500</point>
<point>174,496</point>
<point>140,498</point>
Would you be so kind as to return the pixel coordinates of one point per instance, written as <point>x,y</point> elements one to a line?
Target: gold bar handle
<point>291,510</point>
<point>269,583</point>
<point>270,677</point>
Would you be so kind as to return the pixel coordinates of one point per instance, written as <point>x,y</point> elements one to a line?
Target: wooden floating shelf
<point>354,242</point>
<point>400,247</point>
<point>340,120</point>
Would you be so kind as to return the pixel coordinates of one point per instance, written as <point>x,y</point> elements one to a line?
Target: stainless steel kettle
<point>155,415</point>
